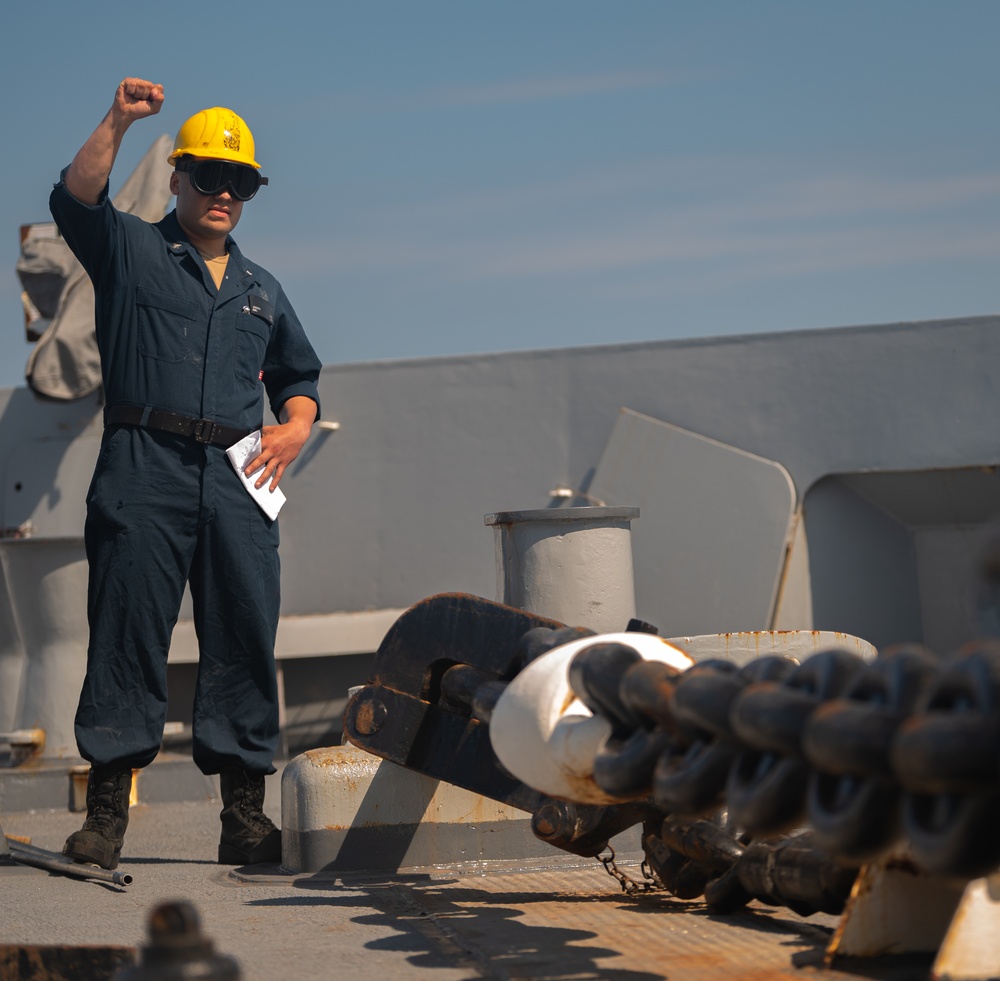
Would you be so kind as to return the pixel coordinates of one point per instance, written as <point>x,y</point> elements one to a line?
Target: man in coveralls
<point>193,338</point>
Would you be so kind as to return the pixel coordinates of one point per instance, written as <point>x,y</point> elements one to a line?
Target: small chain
<point>629,885</point>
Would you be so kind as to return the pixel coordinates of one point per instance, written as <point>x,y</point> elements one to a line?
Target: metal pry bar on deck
<point>41,858</point>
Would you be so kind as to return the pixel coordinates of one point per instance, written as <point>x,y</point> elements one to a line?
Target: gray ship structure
<point>718,615</point>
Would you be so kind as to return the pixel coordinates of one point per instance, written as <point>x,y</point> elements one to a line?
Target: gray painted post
<point>47,583</point>
<point>571,564</point>
<point>12,660</point>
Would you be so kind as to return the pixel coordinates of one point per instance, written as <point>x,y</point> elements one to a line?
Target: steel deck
<point>552,922</point>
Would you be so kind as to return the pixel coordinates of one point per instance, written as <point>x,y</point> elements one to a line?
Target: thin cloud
<point>776,258</point>
<point>685,234</point>
<point>545,89</point>
<point>709,187</point>
<point>864,195</point>
<point>513,91</point>
<point>578,191</point>
<point>680,252</point>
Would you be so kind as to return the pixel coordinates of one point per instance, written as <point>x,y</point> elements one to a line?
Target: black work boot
<point>248,835</point>
<point>99,841</point>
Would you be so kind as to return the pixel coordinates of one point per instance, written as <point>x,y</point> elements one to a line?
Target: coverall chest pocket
<point>253,332</point>
<point>166,325</point>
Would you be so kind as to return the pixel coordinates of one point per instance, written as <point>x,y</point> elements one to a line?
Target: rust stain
<point>366,717</point>
<point>584,789</point>
<point>64,961</point>
<point>862,887</point>
<point>481,811</point>
<point>340,756</point>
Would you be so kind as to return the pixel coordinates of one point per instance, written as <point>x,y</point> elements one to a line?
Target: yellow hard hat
<point>218,134</point>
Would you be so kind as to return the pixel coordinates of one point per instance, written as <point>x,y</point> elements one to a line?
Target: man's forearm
<point>91,167</point>
<point>299,408</point>
<point>135,99</point>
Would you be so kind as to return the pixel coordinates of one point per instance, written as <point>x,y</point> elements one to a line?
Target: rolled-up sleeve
<point>92,231</point>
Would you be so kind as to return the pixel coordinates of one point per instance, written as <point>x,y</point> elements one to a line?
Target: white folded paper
<point>240,454</point>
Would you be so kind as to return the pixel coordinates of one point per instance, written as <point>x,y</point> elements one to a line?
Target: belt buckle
<point>203,430</point>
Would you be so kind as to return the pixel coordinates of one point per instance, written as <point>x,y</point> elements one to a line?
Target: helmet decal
<point>231,135</point>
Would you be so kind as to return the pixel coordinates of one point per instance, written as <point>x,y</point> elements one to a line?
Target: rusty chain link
<point>630,886</point>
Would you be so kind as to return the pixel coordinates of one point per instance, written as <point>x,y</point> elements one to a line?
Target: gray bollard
<point>571,564</point>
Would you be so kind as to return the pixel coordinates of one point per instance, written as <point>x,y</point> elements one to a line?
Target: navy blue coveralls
<point>164,509</point>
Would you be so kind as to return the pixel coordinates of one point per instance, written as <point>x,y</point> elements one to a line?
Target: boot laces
<point>104,805</point>
<point>248,804</point>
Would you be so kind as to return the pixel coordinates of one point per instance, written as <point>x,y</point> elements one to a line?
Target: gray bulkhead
<point>887,436</point>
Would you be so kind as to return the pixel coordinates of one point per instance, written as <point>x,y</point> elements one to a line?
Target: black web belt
<point>200,430</point>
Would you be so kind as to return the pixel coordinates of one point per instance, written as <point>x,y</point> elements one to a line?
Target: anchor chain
<point>774,781</point>
<point>865,755</point>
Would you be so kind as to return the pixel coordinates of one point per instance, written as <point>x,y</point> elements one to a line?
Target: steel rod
<point>42,858</point>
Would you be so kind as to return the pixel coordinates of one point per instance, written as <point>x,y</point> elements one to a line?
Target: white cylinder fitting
<point>544,735</point>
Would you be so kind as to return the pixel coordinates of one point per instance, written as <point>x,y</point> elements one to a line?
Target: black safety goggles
<point>216,176</point>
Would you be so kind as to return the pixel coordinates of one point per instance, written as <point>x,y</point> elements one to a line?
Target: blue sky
<point>451,177</point>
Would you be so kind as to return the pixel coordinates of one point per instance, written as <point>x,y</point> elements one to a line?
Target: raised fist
<point>136,98</point>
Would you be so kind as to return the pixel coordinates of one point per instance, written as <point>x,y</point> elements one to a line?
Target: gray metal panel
<point>895,555</point>
<point>932,497</point>
<point>862,565</point>
<point>46,484</point>
<point>710,544</point>
<point>948,560</point>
